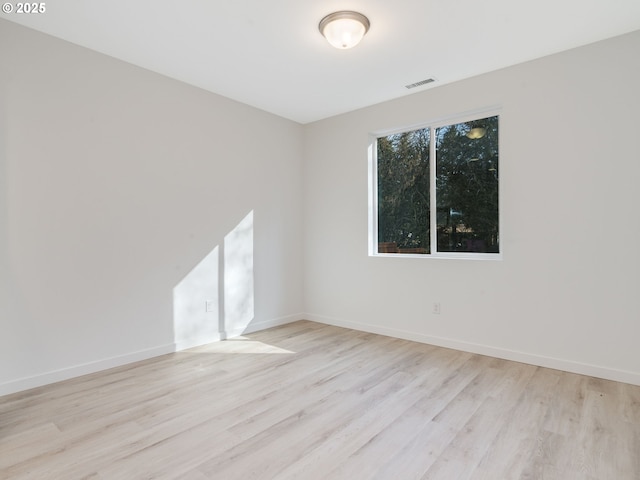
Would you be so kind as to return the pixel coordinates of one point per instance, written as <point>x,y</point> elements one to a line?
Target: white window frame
<point>373,187</point>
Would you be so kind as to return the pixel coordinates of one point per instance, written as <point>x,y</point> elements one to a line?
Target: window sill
<point>444,256</point>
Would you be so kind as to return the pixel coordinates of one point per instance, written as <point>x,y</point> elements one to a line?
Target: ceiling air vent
<point>420,83</point>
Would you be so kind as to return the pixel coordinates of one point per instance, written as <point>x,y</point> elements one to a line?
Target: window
<point>435,191</point>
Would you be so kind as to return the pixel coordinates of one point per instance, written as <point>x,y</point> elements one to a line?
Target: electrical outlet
<point>436,308</point>
<point>209,306</point>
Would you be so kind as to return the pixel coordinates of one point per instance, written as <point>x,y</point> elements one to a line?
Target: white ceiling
<point>270,54</point>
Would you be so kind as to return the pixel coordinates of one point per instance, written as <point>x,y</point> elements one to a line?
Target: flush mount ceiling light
<point>344,29</point>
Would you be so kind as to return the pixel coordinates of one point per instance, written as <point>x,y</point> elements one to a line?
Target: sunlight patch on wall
<point>194,323</point>
<point>215,300</point>
<point>238,277</point>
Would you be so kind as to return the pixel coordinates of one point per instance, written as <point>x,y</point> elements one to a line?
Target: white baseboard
<point>27,383</point>
<point>257,326</point>
<point>196,342</point>
<point>624,376</point>
<point>83,369</point>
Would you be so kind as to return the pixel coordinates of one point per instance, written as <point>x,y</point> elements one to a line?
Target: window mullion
<point>373,205</point>
<point>433,210</point>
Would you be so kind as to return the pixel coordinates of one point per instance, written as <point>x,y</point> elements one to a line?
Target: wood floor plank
<point>518,438</point>
<point>311,401</point>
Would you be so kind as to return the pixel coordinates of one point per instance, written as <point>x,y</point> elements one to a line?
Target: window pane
<point>403,192</point>
<point>467,186</point>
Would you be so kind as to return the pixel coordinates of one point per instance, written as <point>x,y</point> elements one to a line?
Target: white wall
<point>566,294</point>
<point>115,183</point>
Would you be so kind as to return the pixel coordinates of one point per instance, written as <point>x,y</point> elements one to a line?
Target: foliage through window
<point>437,189</point>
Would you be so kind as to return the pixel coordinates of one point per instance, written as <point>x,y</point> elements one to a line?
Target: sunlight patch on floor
<point>240,345</point>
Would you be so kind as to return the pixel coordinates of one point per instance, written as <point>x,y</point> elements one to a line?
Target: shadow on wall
<point>216,299</point>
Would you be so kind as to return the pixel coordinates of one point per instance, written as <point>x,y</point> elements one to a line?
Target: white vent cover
<point>420,83</point>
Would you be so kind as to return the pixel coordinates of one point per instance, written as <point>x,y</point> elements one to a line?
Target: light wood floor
<point>311,401</point>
